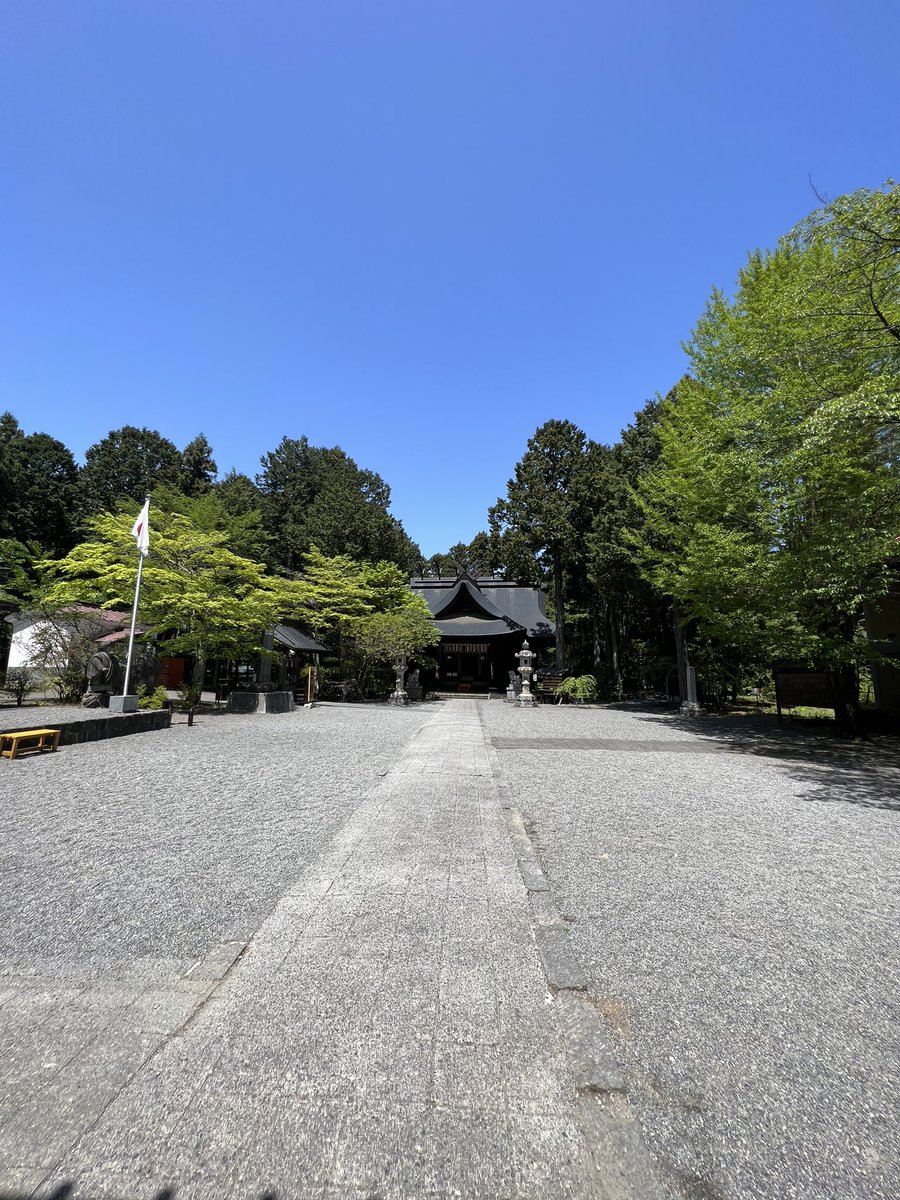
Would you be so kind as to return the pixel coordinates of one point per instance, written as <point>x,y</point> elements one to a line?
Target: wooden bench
<point>44,739</point>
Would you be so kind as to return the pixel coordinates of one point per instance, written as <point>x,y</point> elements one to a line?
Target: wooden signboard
<point>795,686</point>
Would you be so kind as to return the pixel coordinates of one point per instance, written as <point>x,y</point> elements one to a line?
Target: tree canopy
<point>538,517</point>
<point>316,496</point>
<point>40,498</point>
<point>128,462</point>
<point>197,596</point>
<point>775,504</point>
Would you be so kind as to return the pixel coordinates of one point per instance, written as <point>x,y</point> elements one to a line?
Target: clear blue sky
<point>414,229</point>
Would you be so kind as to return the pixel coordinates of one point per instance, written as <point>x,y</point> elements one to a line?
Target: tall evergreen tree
<point>198,468</point>
<point>128,462</point>
<point>541,510</point>
<point>40,497</point>
<point>316,496</point>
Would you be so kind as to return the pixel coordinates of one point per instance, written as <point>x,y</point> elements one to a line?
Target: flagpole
<point>140,531</point>
<point>137,589</point>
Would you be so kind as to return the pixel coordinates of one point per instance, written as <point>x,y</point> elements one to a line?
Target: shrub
<point>154,699</point>
<point>189,696</point>
<point>19,682</point>
<point>580,688</point>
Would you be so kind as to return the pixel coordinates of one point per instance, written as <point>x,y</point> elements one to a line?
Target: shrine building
<point>483,622</point>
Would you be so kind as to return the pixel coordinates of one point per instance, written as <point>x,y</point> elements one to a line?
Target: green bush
<point>20,681</point>
<point>580,688</point>
<point>154,699</point>
<point>189,696</point>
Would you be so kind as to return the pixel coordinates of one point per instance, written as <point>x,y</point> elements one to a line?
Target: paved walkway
<point>406,1023</point>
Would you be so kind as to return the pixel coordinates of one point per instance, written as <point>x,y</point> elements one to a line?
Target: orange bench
<point>44,739</point>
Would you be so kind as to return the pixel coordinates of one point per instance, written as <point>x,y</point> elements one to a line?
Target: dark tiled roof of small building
<point>295,639</point>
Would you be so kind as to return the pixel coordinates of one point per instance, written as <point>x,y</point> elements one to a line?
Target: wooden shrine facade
<point>483,622</point>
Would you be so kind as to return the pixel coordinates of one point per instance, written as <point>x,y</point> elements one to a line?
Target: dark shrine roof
<point>294,639</point>
<point>466,607</point>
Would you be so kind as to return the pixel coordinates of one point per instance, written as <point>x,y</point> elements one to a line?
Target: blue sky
<point>413,229</point>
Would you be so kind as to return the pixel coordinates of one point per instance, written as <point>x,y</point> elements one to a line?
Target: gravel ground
<point>737,915</point>
<point>36,716</point>
<point>159,844</point>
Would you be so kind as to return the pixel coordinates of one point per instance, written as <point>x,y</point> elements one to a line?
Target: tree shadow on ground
<point>836,771</point>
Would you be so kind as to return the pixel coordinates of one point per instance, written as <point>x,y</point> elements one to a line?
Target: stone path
<point>390,1030</point>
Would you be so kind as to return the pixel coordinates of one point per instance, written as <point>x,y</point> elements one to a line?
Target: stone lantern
<point>526,658</point>
<point>398,695</point>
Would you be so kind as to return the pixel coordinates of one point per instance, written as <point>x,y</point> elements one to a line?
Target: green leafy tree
<point>335,589</point>
<point>390,637</point>
<point>16,571</point>
<point>630,621</point>
<point>198,597</point>
<point>541,514</point>
<point>209,512</point>
<point>775,504</point>
<point>128,462</point>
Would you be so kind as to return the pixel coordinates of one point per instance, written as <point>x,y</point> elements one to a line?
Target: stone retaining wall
<point>93,729</point>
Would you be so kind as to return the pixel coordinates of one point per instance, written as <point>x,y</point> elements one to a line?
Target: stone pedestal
<point>123,704</point>
<point>690,706</point>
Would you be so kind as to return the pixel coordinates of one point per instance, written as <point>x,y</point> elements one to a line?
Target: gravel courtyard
<point>736,903</point>
<point>162,844</point>
<point>327,902</point>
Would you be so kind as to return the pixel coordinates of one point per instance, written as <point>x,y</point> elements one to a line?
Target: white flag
<point>141,528</point>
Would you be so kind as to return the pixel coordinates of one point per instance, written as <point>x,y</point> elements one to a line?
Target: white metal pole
<point>137,588</point>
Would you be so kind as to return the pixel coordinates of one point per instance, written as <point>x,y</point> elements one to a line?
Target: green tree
<point>475,558</point>
<point>19,683</point>
<point>239,494</point>
<point>390,637</point>
<point>40,496</point>
<point>335,589</point>
<point>775,504</point>
<point>198,597</point>
<point>198,468</point>
<point>541,514</point>
<point>16,571</point>
<point>312,495</point>
<point>128,462</point>
<point>208,511</point>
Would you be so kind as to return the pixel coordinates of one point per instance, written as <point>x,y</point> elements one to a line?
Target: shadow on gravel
<point>863,773</point>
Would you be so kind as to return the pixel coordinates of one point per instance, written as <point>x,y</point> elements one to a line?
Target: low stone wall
<point>94,729</point>
<point>260,702</point>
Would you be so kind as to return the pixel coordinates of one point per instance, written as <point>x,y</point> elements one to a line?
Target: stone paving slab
<point>389,1030</point>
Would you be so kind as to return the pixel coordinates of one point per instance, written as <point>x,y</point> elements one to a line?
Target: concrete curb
<point>624,1168</point>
